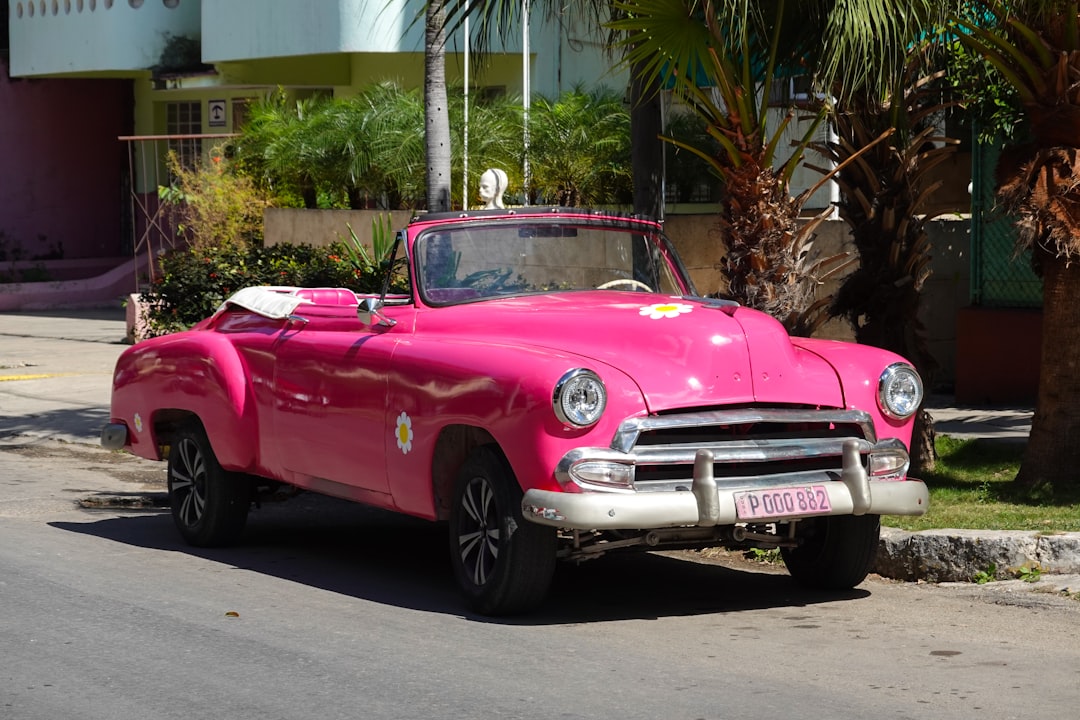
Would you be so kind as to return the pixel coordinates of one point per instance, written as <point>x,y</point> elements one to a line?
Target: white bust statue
<point>492,186</point>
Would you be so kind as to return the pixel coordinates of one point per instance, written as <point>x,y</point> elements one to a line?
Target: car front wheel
<point>209,505</point>
<point>835,553</point>
<point>503,564</point>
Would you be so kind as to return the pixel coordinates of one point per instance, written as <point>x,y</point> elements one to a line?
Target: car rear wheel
<point>502,563</point>
<point>835,553</point>
<point>209,505</point>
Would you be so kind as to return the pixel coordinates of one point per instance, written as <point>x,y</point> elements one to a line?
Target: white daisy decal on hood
<point>665,310</point>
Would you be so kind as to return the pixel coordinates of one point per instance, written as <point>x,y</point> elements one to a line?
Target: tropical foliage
<point>368,150</point>
<point>885,144</point>
<point>579,149</point>
<point>721,66</point>
<point>193,282</point>
<point>213,204</point>
<point>277,149</point>
<point>864,63</point>
<point>220,214</point>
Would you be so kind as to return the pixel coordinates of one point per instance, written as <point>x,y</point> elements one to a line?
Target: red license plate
<point>782,502</point>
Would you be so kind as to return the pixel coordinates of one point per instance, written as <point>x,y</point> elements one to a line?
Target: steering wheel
<point>624,281</point>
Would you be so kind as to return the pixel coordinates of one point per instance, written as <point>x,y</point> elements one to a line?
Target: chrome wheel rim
<point>478,531</point>
<point>187,482</point>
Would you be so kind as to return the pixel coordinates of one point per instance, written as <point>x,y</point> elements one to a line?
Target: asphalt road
<point>329,610</point>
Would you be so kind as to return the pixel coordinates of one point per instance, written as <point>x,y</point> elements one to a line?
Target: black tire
<point>502,563</point>
<point>209,505</point>
<point>835,553</point>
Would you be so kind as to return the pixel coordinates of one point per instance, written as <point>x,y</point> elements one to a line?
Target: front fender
<point>505,390</point>
<point>859,368</point>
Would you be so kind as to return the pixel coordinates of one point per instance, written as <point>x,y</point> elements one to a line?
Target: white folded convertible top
<point>276,303</point>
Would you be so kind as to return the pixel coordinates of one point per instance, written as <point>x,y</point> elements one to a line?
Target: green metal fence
<point>999,277</point>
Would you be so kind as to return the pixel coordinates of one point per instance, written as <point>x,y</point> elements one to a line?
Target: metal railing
<point>154,223</point>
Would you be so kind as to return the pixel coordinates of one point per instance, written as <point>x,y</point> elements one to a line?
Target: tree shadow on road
<point>80,422</point>
<point>386,558</point>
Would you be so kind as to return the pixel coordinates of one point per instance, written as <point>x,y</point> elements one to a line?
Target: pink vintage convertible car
<point>552,387</point>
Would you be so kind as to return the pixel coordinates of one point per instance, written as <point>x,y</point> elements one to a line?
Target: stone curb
<point>961,555</point>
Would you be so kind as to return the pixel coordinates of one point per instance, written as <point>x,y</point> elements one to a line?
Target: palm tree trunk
<point>436,113</point>
<point>1052,459</point>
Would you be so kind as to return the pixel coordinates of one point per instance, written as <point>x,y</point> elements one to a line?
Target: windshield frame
<point>662,265</point>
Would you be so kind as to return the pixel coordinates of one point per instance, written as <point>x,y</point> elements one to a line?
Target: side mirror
<point>369,311</point>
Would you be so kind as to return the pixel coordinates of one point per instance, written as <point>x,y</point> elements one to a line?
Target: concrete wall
<point>382,41</point>
<point>323,227</point>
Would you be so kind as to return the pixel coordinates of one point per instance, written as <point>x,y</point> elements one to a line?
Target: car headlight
<point>580,398</point>
<point>900,391</point>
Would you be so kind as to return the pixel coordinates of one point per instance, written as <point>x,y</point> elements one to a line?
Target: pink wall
<point>61,167</point>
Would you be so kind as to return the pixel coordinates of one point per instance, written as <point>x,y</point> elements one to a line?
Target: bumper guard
<point>708,505</point>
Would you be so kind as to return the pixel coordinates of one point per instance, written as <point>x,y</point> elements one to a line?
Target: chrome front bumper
<point>708,505</point>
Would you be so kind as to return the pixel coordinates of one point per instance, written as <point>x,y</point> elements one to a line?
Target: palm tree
<point>721,65</point>
<point>886,147</point>
<point>436,113</point>
<point>1035,45</point>
<point>580,148</point>
<point>278,147</point>
<point>865,58</point>
<point>341,151</point>
<point>884,194</point>
<point>369,148</point>
<point>500,18</point>
<point>393,119</point>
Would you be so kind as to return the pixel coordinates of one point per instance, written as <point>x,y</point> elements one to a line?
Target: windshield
<point>472,262</point>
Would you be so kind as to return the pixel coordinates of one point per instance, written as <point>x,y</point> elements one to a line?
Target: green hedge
<point>194,282</point>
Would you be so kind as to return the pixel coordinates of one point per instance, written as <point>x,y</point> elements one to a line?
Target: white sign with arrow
<point>217,113</point>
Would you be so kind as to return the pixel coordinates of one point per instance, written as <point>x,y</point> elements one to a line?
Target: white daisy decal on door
<point>404,433</point>
<point>665,310</point>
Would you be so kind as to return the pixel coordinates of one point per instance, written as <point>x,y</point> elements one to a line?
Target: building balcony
<point>244,30</point>
<point>103,38</point>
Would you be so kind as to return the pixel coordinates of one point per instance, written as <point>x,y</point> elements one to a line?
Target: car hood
<point>681,352</point>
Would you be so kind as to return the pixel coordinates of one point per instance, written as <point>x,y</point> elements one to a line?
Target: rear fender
<point>160,380</point>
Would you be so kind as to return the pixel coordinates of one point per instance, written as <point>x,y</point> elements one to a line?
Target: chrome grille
<point>751,447</point>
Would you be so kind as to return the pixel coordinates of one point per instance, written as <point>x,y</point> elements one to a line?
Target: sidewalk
<point>56,373</point>
<point>1000,423</point>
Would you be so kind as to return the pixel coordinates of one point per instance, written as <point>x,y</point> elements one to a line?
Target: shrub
<point>215,205</point>
<point>220,211</point>
<point>194,282</point>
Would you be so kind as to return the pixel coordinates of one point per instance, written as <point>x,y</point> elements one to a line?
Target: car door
<point>330,387</point>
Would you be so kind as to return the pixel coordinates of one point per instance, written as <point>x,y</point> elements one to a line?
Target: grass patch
<point>972,487</point>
